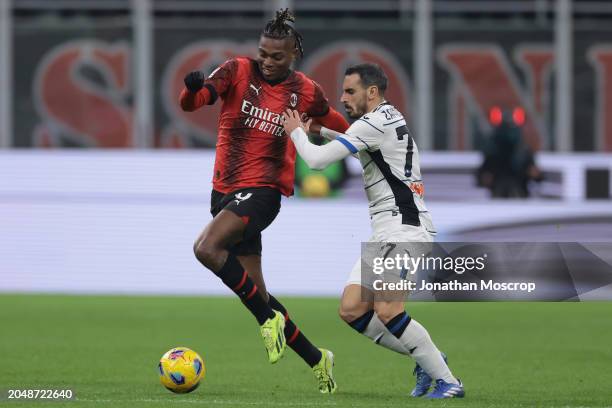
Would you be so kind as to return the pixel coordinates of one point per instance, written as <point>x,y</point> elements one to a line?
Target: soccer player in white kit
<point>380,139</point>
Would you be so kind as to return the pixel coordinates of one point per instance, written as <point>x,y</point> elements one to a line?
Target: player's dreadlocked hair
<point>280,27</point>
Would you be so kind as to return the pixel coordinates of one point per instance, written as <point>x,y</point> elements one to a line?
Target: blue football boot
<point>423,380</point>
<point>447,390</point>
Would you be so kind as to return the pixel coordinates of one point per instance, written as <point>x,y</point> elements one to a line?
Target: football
<point>181,370</point>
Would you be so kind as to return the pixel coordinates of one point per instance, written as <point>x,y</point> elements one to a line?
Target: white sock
<point>378,332</point>
<point>416,338</point>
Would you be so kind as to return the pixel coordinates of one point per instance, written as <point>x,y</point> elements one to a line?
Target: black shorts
<point>257,206</point>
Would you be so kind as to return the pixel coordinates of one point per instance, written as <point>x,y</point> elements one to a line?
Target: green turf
<point>106,349</point>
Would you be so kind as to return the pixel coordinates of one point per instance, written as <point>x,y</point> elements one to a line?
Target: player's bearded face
<point>354,96</point>
<point>275,57</point>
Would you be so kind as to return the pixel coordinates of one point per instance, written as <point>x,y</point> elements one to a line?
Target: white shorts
<point>387,227</point>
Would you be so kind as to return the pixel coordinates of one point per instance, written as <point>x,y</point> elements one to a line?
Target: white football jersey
<point>390,161</point>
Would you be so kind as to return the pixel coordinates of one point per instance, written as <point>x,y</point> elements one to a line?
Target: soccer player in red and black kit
<point>254,166</point>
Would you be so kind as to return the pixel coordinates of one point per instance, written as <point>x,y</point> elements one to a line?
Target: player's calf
<point>210,252</point>
<point>356,309</point>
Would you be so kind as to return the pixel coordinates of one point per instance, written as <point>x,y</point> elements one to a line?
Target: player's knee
<point>388,310</point>
<point>346,315</point>
<point>349,311</point>
<point>207,252</point>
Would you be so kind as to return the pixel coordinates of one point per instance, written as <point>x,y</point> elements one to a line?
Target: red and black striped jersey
<point>252,147</point>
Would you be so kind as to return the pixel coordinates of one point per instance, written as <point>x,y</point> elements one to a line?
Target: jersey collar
<point>380,105</point>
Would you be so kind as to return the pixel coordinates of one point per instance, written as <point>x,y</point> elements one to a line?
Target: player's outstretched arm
<point>333,121</point>
<point>330,126</point>
<point>195,94</point>
<point>329,134</point>
<point>316,157</point>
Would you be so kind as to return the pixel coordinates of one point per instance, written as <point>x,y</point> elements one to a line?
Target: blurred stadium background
<point>105,182</point>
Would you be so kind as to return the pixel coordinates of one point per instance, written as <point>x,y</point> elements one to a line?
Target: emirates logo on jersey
<point>293,100</point>
<point>262,119</point>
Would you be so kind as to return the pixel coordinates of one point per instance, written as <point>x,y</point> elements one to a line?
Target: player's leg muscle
<point>252,264</point>
<point>388,310</point>
<point>223,231</point>
<point>355,302</point>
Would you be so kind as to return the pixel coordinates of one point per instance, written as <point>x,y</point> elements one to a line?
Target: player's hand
<point>194,81</point>
<point>310,125</point>
<point>292,121</point>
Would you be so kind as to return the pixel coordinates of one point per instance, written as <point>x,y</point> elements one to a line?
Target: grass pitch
<point>106,350</point>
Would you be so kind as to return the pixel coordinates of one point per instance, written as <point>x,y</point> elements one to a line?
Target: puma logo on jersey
<point>240,197</point>
<point>253,87</point>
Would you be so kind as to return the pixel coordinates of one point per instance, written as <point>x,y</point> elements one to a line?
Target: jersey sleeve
<point>364,134</point>
<point>320,104</point>
<point>222,78</point>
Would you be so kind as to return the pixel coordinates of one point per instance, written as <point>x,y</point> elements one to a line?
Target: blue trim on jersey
<point>347,144</point>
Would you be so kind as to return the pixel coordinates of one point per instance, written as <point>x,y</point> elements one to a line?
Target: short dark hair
<point>280,27</point>
<point>370,75</point>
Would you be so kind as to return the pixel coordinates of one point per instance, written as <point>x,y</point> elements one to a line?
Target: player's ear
<point>372,91</point>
